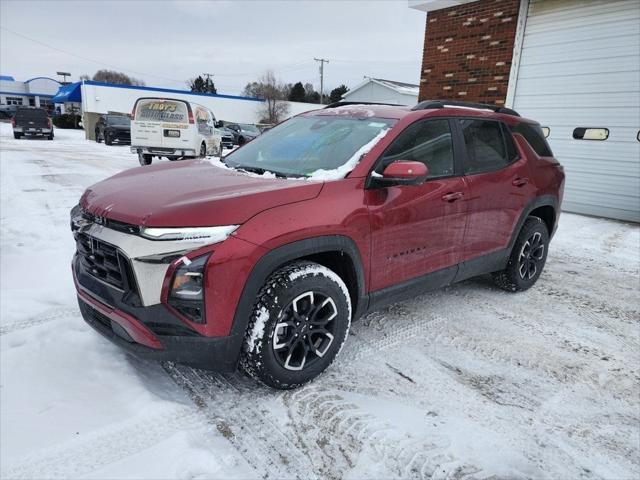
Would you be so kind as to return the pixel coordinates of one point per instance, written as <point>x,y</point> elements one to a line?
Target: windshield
<point>249,128</point>
<point>118,120</point>
<point>304,146</point>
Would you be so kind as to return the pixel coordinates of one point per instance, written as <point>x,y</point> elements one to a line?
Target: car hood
<point>119,127</point>
<point>192,193</point>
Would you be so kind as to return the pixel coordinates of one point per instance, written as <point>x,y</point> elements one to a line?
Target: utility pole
<point>322,62</point>
<point>208,75</point>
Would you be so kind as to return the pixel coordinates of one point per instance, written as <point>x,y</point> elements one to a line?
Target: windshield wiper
<point>259,170</point>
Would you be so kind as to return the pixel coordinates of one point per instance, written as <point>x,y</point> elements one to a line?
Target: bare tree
<point>274,93</point>
<point>111,76</point>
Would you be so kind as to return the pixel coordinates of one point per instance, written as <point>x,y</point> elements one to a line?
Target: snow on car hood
<point>191,193</point>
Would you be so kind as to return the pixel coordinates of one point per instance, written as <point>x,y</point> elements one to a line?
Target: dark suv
<point>113,129</point>
<point>263,259</point>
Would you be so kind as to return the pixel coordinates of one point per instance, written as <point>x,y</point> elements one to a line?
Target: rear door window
<point>162,110</point>
<point>486,148</point>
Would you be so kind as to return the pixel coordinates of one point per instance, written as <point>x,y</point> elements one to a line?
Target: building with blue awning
<point>35,92</point>
<point>71,93</point>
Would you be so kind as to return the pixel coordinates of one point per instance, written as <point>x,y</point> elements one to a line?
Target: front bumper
<point>164,152</point>
<point>146,331</point>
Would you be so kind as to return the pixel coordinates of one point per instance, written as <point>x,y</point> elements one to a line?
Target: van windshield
<point>311,146</point>
<point>162,110</point>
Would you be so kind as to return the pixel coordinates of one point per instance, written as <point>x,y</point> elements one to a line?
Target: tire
<point>17,136</point>
<point>203,150</point>
<point>241,141</point>
<point>50,137</point>
<point>527,258</point>
<point>145,159</point>
<point>107,139</point>
<point>273,352</point>
<point>98,140</point>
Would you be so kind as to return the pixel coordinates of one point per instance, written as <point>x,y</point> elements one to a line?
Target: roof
<point>399,87</point>
<point>7,78</point>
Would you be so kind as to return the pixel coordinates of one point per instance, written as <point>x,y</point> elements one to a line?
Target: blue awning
<point>68,93</point>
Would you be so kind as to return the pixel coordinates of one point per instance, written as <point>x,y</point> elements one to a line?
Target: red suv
<point>262,259</point>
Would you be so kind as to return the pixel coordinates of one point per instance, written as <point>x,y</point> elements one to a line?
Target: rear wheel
<point>50,137</point>
<point>527,259</point>
<point>298,326</point>
<point>107,139</point>
<point>145,159</point>
<point>203,150</point>
<point>17,135</point>
<point>98,139</point>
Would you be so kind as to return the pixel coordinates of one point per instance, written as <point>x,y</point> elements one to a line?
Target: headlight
<point>186,293</point>
<point>211,234</point>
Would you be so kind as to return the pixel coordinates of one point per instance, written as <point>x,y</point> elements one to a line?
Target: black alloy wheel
<point>531,255</point>
<point>306,330</point>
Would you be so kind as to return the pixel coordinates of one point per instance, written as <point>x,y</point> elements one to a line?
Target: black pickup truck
<point>31,121</point>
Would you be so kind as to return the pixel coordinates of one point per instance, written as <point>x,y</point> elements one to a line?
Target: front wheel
<point>98,139</point>
<point>107,139</point>
<point>144,159</point>
<point>527,259</point>
<point>17,135</point>
<point>298,326</point>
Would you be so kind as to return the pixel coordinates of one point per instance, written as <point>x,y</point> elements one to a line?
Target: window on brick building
<point>426,141</point>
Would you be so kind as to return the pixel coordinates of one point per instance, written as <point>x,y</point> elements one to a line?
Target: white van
<point>171,128</point>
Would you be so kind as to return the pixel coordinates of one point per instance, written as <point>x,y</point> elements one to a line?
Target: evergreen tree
<point>297,93</point>
<point>336,93</point>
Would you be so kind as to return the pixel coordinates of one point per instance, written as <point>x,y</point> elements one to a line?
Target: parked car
<point>175,129</point>
<point>31,121</point>
<point>228,137</point>
<point>8,111</point>
<point>243,132</point>
<point>265,261</point>
<point>113,129</point>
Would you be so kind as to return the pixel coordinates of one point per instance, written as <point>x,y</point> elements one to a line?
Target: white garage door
<point>580,69</point>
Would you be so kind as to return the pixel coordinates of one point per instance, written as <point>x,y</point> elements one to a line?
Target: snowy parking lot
<point>466,382</point>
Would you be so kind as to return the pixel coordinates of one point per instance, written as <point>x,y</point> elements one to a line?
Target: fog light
<point>187,289</point>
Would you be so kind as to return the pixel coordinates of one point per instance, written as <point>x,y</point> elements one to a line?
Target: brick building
<point>572,65</point>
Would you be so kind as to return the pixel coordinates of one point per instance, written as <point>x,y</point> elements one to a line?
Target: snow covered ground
<point>467,382</point>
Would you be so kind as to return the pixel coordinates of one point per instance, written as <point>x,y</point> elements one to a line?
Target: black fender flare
<point>541,201</point>
<point>284,254</point>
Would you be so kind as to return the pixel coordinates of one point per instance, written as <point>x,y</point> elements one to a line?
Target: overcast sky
<point>165,42</point>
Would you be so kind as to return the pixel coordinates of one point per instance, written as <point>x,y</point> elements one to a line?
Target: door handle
<point>452,197</point>
<point>520,182</point>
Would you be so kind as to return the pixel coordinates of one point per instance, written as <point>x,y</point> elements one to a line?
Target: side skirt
<point>491,262</point>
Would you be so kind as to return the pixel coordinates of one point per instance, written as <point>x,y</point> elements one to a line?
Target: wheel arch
<point>545,207</point>
<point>336,252</point>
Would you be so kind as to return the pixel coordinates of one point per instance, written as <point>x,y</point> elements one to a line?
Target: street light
<point>64,76</point>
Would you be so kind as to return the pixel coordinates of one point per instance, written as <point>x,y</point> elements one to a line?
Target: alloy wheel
<point>531,256</point>
<point>305,330</point>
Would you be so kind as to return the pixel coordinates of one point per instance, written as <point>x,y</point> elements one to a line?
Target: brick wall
<point>467,51</point>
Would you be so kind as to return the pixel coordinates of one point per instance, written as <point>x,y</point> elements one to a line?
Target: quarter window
<point>485,146</point>
<point>428,142</point>
<point>535,136</point>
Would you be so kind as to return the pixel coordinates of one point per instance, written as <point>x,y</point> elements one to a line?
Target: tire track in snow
<point>87,453</point>
<point>47,316</point>
<point>232,405</point>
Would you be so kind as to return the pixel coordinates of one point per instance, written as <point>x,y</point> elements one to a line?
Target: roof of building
<point>7,78</point>
<point>400,87</point>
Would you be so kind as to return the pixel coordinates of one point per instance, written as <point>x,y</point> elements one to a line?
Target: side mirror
<point>219,124</point>
<point>402,172</point>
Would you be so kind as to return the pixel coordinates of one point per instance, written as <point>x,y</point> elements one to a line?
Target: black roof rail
<point>342,104</point>
<point>428,104</point>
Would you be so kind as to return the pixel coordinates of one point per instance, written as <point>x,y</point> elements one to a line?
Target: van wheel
<point>298,326</point>
<point>145,159</point>
<point>527,258</point>
<point>17,135</point>
<point>203,151</point>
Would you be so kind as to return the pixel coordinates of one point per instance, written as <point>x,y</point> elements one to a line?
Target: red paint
<point>401,232</point>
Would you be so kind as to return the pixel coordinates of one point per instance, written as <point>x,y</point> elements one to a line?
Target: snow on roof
<point>400,87</point>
